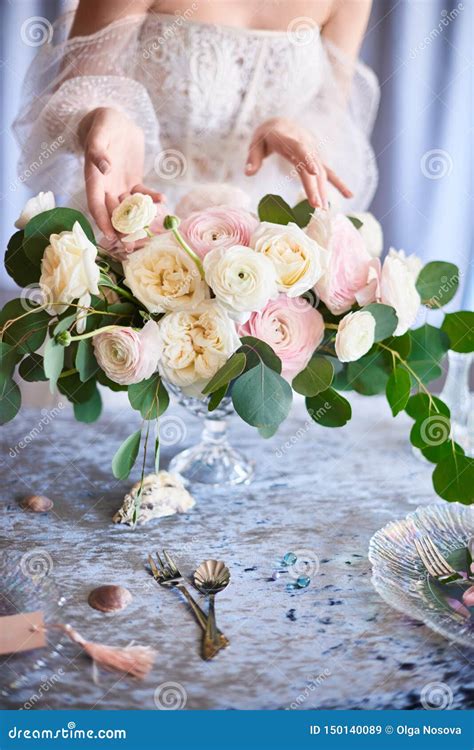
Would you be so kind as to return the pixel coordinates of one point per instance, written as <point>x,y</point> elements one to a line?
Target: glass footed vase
<point>213,461</point>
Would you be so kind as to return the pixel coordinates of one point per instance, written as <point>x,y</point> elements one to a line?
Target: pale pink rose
<point>291,327</point>
<point>218,227</point>
<point>348,268</point>
<point>213,194</point>
<point>128,356</point>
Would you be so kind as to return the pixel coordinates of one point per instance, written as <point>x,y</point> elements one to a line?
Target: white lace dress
<point>198,91</point>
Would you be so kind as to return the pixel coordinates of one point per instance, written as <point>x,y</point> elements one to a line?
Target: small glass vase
<point>457,396</point>
<point>213,461</point>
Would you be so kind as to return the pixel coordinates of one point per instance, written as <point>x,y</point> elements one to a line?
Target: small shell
<point>109,598</point>
<point>211,575</point>
<point>37,503</point>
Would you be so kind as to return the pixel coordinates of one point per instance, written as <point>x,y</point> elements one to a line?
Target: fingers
<point>338,183</point>
<point>96,199</point>
<point>157,197</point>
<point>255,156</point>
<point>321,179</point>
<point>111,202</point>
<point>311,188</point>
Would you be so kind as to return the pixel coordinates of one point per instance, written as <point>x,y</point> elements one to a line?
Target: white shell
<point>163,495</point>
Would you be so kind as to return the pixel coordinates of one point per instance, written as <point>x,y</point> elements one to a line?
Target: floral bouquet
<point>221,304</point>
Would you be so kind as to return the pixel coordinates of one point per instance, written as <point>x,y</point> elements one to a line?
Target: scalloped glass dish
<point>399,576</point>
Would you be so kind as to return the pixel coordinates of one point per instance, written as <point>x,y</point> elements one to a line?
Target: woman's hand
<point>114,157</point>
<point>296,144</point>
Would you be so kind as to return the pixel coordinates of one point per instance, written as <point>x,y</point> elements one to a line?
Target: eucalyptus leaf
<point>261,397</point>
<point>421,406</point>
<point>149,397</point>
<point>29,331</point>
<point>356,222</point>
<point>453,479</point>
<point>41,227</point>
<point>398,390</point>
<point>459,327</point>
<point>369,374</point>
<point>386,320</point>
<point>18,265</point>
<point>216,398</point>
<point>437,283</point>
<point>125,457</point>
<point>267,432</point>
<point>316,377</point>
<point>89,411</point>
<point>329,408</point>
<point>274,209</point>
<point>76,391</point>
<point>86,363</point>
<point>231,369</point>
<point>53,361</point>
<point>257,351</point>
<point>8,359</point>
<point>10,400</point>
<point>428,348</point>
<point>302,213</point>
<point>31,368</point>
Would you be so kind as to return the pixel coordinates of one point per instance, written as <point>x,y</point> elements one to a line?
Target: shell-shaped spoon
<point>211,577</point>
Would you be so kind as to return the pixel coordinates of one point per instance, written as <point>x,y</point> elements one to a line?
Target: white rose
<point>371,231</point>
<point>132,215</point>
<point>242,280</point>
<point>163,276</point>
<point>69,271</point>
<point>397,287</point>
<point>34,206</point>
<point>195,345</point>
<point>296,257</point>
<point>355,336</point>
<point>214,194</point>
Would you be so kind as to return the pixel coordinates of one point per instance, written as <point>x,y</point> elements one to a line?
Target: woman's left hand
<point>296,144</point>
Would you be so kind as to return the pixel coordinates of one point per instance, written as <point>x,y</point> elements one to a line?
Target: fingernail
<point>110,237</point>
<point>248,166</point>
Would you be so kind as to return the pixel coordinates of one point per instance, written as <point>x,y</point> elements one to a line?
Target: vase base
<point>212,465</point>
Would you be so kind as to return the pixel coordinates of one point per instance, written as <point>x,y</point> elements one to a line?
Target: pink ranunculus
<point>292,327</point>
<point>212,194</point>
<point>349,269</point>
<point>128,356</point>
<point>218,227</point>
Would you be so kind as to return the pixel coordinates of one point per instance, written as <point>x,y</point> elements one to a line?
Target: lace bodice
<point>198,91</point>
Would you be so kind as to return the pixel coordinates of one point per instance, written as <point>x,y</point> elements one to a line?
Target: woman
<point>175,95</point>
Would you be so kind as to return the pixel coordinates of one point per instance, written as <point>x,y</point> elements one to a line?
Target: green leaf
<point>149,397</point>
<point>105,381</point>
<point>261,397</point>
<point>341,381</point>
<point>85,362</point>
<point>428,347</point>
<point>75,390</point>
<point>30,329</point>
<point>437,283</point>
<point>421,406</point>
<point>274,209</point>
<point>234,366</point>
<point>398,390</point>
<point>257,351</point>
<point>459,327</point>
<point>316,377</point>
<point>122,462</point>
<point>89,411</point>
<point>432,434</point>
<point>268,432</point>
<point>356,222</point>
<point>369,374</point>
<point>31,368</point>
<point>385,320</point>
<point>302,213</point>
<point>400,344</point>
<point>8,360</point>
<point>123,314</point>
<point>18,266</point>
<point>437,453</point>
<point>64,323</point>
<point>329,408</point>
<point>53,361</point>
<point>216,398</point>
<point>10,400</point>
<point>453,479</point>
<point>40,227</point>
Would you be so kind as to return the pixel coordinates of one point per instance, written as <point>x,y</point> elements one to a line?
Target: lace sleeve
<point>342,116</point>
<point>69,78</point>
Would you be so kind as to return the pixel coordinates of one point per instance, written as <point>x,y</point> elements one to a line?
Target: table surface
<point>324,492</point>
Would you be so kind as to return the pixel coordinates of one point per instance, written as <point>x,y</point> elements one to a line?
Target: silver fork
<point>167,574</point>
<point>434,562</point>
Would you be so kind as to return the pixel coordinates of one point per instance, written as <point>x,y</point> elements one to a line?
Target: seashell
<point>109,598</point>
<point>37,503</point>
<point>212,575</point>
<point>163,494</point>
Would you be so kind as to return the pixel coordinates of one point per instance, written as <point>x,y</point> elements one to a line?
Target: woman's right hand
<point>114,151</point>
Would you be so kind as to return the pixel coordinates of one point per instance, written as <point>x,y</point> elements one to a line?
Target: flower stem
<point>172,223</point>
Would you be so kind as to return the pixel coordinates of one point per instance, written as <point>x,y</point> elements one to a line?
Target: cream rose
<point>398,287</point>
<point>128,356</point>
<point>133,215</point>
<point>164,277</point>
<point>371,231</point>
<point>296,257</point>
<point>242,280</point>
<point>34,206</point>
<point>69,271</point>
<point>355,336</point>
<point>195,345</point>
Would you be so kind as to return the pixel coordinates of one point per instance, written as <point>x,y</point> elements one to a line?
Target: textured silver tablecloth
<point>333,645</point>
